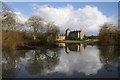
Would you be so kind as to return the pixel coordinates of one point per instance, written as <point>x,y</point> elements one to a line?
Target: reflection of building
<point>74,47</point>
<point>74,35</point>
<point>61,44</point>
<point>60,37</point>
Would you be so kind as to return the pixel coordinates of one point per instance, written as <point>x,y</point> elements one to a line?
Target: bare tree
<point>36,23</point>
<point>108,33</point>
<point>7,17</point>
<point>8,22</point>
<point>52,28</point>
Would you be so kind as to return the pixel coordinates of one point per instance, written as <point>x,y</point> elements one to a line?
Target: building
<point>60,37</point>
<point>74,35</point>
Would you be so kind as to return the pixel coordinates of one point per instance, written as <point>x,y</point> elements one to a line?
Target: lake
<point>64,61</point>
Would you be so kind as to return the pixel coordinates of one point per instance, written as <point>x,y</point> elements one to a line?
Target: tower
<point>82,35</point>
<point>67,33</point>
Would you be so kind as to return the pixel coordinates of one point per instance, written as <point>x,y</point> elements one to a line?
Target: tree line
<point>43,31</point>
<point>13,33</point>
<point>35,23</point>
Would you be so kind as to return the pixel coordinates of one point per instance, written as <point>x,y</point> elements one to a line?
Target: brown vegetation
<point>14,36</point>
<point>109,34</point>
<point>11,39</point>
<point>16,40</point>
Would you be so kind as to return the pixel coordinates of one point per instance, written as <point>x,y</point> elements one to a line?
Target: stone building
<point>74,35</point>
<point>60,37</point>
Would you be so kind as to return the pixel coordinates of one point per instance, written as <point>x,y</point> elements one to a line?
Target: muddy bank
<point>35,45</point>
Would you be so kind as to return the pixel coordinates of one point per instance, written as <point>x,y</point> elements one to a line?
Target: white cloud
<point>88,18</point>
<point>87,62</point>
<point>20,17</point>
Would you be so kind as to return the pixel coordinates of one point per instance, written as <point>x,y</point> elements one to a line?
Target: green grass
<point>77,41</point>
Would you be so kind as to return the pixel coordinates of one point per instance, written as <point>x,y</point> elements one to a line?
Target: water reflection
<point>42,61</point>
<point>74,47</point>
<point>88,62</point>
<point>109,55</point>
<point>11,63</point>
<point>34,62</point>
<point>69,60</point>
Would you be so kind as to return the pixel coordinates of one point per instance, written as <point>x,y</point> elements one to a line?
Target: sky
<point>87,16</point>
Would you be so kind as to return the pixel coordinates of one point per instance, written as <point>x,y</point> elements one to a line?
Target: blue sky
<point>107,8</point>
<point>88,16</point>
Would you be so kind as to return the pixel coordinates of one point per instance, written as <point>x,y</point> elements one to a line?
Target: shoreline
<point>78,41</point>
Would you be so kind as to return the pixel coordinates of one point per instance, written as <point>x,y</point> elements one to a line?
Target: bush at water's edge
<point>13,39</point>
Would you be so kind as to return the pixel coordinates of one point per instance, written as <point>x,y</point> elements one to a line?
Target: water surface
<point>66,60</point>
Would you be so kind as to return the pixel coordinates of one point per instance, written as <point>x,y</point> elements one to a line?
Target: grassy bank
<point>78,41</point>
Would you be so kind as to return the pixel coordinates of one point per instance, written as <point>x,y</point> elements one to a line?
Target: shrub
<point>11,39</point>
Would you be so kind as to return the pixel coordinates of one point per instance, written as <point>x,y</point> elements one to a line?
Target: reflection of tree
<point>11,63</point>
<point>109,55</point>
<point>43,60</point>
